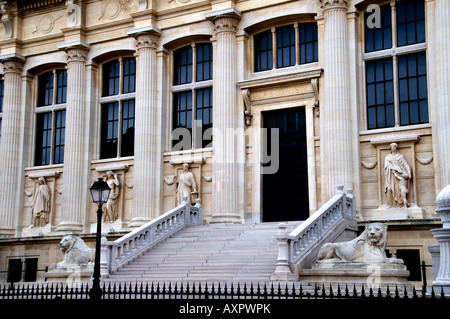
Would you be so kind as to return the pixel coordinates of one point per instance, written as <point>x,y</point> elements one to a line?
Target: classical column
<point>148,163</point>
<point>226,117</point>
<point>335,114</point>
<point>11,144</point>
<point>442,67</point>
<point>75,182</point>
<point>442,235</point>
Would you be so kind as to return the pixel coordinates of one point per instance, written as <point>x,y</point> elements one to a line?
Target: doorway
<point>285,194</point>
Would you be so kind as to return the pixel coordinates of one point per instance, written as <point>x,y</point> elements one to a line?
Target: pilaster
<point>226,117</point>
<point>335,115</point>
<point>148,130</point>
<point>11,169</point>
<point>75,185</point>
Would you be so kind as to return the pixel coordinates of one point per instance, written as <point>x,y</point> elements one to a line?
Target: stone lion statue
<point>76,252</point>
<point>369,247</point>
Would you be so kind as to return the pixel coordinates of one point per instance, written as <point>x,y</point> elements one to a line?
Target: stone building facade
<point>272,104</point>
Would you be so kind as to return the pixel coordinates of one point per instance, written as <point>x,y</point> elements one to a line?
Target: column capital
<point>334,4</point>
<point>224,20</point>
<point>146,37</point>
<point>76,51</point>
<point>13,62</point>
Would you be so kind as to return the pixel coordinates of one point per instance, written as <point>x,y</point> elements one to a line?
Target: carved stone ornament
<point>7,19</point>
<point>147,37</point>
<point>397,178</point>
<point>248,107</point>
<point>328,4</point>
<point>367,248</point>
<point>113,8</point>
<point>225,20</point>
<point>76,253</point>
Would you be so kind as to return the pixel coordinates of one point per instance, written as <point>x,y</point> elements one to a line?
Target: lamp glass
<point>100,191</point>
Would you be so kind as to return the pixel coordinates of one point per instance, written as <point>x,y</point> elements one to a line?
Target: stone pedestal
<point>376,275</point>
<point>72,276</point>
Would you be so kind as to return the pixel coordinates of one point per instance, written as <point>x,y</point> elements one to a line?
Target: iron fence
<point>212,291</point>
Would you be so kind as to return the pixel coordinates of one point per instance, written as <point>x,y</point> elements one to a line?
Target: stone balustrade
<point>121,251</point>
<point>298,248</point>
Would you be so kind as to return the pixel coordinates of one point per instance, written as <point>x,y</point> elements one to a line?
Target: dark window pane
<point>263,51</point>
<point>109,131</point>
<point>111,78</point>
<point>378,37</point>
<point>45,93</point>
<point>43,138</point>
<point>204,62</point>
<point>2,94</point>
<point>183,66</point>
<point>128,128</point>
<point>410,22</point>
<point>380,93</point>
<point>31,268</point>
<point>60,128</point>
<point>61,93</point>
<point>285,46</point>
<point>308,43</point>
<point>203,115</point>
<point>14,270</point>
<point>182,114</point>
<point>129,75</point>
<point>413,88</point>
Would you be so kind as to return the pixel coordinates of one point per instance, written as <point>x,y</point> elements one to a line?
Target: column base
<point>7,232</point>
<point>218,218</point>
<point>69,227</point>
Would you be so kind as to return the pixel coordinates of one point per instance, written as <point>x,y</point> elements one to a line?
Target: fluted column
<point>225,117</point>
<point>147,133</point>
<point>10,144</point>
<point>75,183</point>
<point>442,67</point>
<point>335,114</point>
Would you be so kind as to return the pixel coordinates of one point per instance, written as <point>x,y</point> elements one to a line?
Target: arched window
<point>117,108</point>
<point>50,117</point>
<point>192,96</point>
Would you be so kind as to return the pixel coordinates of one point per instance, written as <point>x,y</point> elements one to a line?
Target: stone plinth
<point>376,275</point>
<point>70,275</point>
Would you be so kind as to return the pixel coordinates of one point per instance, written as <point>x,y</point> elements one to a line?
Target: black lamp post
<point>100,193</point>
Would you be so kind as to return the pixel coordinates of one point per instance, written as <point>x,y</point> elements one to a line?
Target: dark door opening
<point>285,193</point>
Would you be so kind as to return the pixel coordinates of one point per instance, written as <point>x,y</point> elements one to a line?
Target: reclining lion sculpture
<point>369,247</point>
<point>76,252</point>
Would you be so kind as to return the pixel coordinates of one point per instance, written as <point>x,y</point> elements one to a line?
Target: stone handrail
<point>121,251</point>
<point>301,245</point>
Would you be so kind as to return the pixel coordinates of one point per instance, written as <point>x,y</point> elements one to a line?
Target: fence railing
<point>326,224</point>
<point>119,252</point>
<point>205,290</point>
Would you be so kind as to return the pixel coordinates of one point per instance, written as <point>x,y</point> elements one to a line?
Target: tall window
<point>51,118</point>
<point>295,44</point>
<point>117,108</point>
<point>396,76</point>
<point>192,96</point>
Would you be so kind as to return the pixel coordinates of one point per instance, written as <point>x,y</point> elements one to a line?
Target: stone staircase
<point>216,252</point>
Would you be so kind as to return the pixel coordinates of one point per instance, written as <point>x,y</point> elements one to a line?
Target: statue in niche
<point>110,208</point>
<point>186,184</point>
<point>397,178</point>
<point>41,204</point>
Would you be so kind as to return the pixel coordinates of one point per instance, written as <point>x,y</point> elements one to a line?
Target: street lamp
<point>100,193</point>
